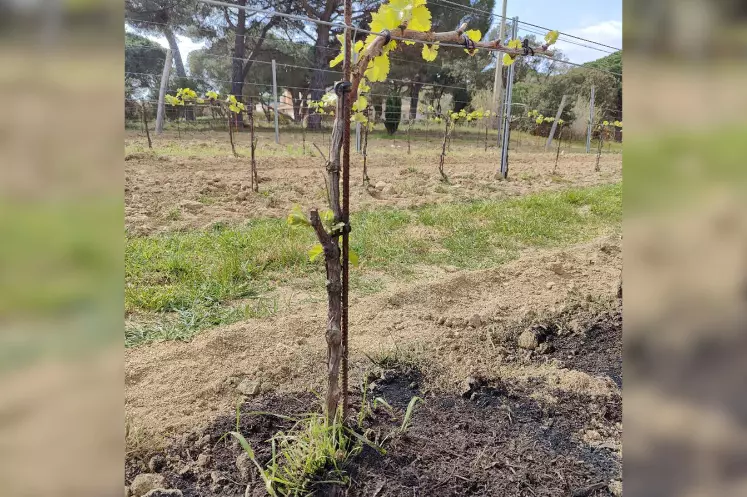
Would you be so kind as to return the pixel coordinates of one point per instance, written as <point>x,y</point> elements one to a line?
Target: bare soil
<point>159,184</point>
<point>171,387</point>
<point>496,438</point>
<point>536,422</point>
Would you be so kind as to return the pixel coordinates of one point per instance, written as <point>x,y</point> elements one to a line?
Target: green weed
<point>197,279</point>
<point>315,450</point>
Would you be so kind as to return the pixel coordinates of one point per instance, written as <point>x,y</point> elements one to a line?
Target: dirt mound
<point>496,439</point>
<point>173,386</point>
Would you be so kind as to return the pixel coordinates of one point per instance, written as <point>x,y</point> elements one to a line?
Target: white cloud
<point>607,32</point>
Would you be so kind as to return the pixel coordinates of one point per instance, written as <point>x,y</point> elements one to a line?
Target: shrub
<point>393,113</point>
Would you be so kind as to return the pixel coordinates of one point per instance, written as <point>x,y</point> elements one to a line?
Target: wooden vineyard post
<point>426,127</point>
<point>255,178</point>
<point>441,160</point>
<point>230,135</point>
<point>599,149</point>
<point>557,155</point>
<point>304,122</point>
<point>145,124</point>
<point>555,123</point>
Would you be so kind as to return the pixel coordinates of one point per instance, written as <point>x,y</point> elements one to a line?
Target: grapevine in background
<point>605,129</point>
<point>450,121</point>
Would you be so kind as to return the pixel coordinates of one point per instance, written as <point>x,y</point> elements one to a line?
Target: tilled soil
<point>498,438</point>
<point>172,387</point>
<point>186,185</point>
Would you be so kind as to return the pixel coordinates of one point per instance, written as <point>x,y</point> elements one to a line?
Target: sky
<point>594,20</point>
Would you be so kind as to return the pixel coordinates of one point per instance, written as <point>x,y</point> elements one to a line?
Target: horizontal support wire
<point>467,8</point>
<point>342,26</point>
<point>334,50</point>
<point>294,66</point>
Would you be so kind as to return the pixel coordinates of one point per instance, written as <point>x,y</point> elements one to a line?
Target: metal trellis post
<point>498,77</point>
<point>275,98</point>
<point>591,121</point>
<point>507,107</point>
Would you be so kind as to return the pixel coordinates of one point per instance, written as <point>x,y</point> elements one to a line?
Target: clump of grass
<point>395,358</point>
<point>196,278</point>
<point>183,324</point>
<point>206,200</point>
<point>406,422</point>
<point>314,451</point>
<point>174,215</point>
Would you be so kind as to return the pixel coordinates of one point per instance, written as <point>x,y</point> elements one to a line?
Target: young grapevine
<point>396,22</point>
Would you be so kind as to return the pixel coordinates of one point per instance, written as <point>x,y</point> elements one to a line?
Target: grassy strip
<point>193,280</point>
<point>669,171</point>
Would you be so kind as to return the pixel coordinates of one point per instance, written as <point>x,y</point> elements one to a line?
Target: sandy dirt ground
<point>453,324</point>
<point>173,386</point>
<point>196,182</point>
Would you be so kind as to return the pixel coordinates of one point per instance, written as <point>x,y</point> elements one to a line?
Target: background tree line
<point>239,45</point>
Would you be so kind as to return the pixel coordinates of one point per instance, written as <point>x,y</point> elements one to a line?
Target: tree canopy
<point>239,45</point>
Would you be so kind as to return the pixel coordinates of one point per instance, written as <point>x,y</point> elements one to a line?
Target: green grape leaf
<point>363,87</point>
<point>315,252</point>
<point>296,217</point>
<point>551,37</point>
<point>358,117</point>
<point>421,19</point>
<point>353,257</point>
<point>360,104</point>
<point>378,69</point>
<point>474,34</point>
<point>430,52</point>
<point>336,60</point>
<point>327,217</point>
<point>384,18</point>
<point>516,44</point>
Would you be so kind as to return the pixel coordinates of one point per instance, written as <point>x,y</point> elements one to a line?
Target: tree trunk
<point>237,66</point>
<point>321,56</point>
<point>171,38</point>
<point>297,100</point>
<point>189,112</point>
<point>378,108</point>
<point>414,99</point>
